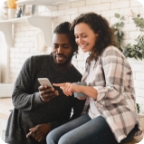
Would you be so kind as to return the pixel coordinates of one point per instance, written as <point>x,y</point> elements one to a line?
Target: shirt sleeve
<point>114,74</point>
<point>22,97</point>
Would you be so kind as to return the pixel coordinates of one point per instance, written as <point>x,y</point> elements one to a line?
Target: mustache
<point>61,55</point>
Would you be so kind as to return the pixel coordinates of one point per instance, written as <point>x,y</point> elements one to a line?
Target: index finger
<point>28,135</point>
<point>59,84</point>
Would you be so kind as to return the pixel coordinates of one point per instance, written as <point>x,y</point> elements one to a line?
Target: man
<point>39,109</point>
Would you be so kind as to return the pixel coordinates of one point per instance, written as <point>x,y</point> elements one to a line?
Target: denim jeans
<point>82,130</point>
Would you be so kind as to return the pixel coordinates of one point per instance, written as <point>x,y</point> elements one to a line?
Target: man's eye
<point>55,46</point>
<point>65,46</point>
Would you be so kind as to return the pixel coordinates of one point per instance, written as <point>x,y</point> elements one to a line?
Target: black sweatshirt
<point>30,110</point>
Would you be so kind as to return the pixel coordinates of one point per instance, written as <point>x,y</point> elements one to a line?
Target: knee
<point>64,140</point>
<point>54,138</point>
<point>51,138</point>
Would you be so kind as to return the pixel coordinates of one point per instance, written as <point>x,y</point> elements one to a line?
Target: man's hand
<point>39,132</point>
<point>47,93</point>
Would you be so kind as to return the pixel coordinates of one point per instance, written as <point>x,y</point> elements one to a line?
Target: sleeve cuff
<point>37,98</point>
<point>101,92</point>
<point>53,125</point>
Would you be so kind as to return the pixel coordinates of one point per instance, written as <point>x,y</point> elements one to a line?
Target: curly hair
<point>64,28</point>
<point>101,27</point>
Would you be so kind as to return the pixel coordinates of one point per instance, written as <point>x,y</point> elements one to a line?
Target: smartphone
<point>45,81</point>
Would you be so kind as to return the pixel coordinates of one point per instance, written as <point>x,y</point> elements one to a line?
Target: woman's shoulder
<point>112,51</point>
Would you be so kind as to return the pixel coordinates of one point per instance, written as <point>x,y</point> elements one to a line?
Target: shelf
<point>45,24</point>
<point>16,20</point>
<point>42,22</point>
<point>43,2</point>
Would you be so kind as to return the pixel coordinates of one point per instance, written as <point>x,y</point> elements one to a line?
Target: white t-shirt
<point>93,111</point>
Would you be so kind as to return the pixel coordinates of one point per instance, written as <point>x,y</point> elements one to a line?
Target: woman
<point>112,116</point>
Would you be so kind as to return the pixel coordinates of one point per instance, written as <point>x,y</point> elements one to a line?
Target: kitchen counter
<point>5,107</point>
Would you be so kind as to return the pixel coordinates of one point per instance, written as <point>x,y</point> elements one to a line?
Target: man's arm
<point>22,97</point>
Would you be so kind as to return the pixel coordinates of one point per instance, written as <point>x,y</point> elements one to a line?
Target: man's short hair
<point>65,28</point>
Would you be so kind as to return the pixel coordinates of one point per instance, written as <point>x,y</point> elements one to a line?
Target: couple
<point>111,117</point>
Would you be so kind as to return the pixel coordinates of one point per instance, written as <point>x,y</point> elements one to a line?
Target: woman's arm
<point>69,88</point>
<point>114,76</point>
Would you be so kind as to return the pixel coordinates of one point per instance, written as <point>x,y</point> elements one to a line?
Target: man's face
<point>62,49</point>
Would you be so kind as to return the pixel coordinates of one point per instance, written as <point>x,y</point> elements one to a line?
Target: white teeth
<point>83,46</point>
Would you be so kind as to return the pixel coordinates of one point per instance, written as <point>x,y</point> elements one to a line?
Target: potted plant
<point>136,50</point>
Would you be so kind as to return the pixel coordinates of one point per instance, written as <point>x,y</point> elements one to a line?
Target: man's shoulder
<point>76,70</point>
<point>39,58</point>
<point>75,73</point>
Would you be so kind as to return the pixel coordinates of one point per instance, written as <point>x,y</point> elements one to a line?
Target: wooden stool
<point>135,140</point>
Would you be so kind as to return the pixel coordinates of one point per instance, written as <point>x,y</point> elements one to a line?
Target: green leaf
<point>140,56</point>
<point>120,34</point>
<point>117,25</point>
<point>122,18</point>
<point>121,24</point>
<point>132,53</point>
<point>117,15</point>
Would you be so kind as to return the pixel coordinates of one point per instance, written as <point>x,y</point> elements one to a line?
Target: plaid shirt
<point>113,80</point>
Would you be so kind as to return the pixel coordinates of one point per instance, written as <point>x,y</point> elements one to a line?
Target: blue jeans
<point>82,130</point>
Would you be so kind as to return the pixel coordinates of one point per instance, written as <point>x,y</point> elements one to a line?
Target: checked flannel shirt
<point>112,78</point>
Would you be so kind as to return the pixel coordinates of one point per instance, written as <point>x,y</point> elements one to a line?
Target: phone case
<point>45,81</point>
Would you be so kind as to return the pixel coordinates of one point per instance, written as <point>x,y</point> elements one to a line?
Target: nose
<point>79,40</point>
<point>59,50</point>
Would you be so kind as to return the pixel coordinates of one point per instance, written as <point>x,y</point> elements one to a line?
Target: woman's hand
<point>68,88</point>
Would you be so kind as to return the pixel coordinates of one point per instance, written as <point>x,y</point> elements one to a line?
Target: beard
<point>65,63</point>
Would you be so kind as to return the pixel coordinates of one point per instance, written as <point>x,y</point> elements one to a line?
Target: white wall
<point>4,60</point>
<point>24,45</point>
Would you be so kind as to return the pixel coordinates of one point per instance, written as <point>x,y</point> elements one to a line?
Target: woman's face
<point>85,37</point>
